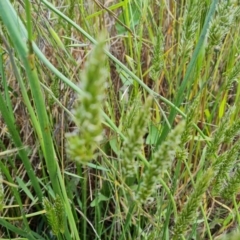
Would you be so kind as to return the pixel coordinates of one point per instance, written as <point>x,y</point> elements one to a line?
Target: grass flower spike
<point>133,143</point>
<point>187,216</point>
<point>161,160</point>
<point>83,142</point>
<point>55,214</point>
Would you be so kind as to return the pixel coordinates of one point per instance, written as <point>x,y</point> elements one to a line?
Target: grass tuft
<point>133,134</point>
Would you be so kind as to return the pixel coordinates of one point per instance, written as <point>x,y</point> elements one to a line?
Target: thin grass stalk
<point>126,16</point>
<point>28,61</point>
<point>97,217</point>
<point>187,78</point>
<point>84,202</point>
<point>127,221</point>
<point>236,206</point>
<point>1,192</point>
<point>24,94</point>
<point>10,20</point>
<point>170,206</point>
<point>18,143</point>
<point>5,86</point>
<point>29,23</point>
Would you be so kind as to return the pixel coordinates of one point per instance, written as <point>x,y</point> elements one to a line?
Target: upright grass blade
<point>187,78</point>
<point>5,86</point>
<point>27,58</point>
<point>24,92</point>
<point>14,28</point>
<point>18,143</point>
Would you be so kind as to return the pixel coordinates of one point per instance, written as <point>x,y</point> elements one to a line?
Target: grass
<point>119,120</point>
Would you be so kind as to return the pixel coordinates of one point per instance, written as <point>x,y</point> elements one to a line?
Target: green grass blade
<point>18,143</point>
<point>187,78</point>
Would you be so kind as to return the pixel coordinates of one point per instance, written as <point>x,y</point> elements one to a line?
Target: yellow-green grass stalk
<point>187,80</point>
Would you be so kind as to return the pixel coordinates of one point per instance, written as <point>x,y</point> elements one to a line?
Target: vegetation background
<point>119,119</point>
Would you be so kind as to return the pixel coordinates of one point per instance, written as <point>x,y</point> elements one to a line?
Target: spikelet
<point>232,187</point>
<point>82,143</point>
<point>225,17</point>
<point>189,27</point>
<point>232,132</point>
<point>226,162</point>
<point>161,160</point>
<point>158,59</point>
<point>192,114</point>
<point>55,215</point>
<point>133,143</point>
<point>189,211</point>
<point>220,133</point>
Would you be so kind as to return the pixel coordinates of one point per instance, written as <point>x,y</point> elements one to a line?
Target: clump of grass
<point>195,56</point>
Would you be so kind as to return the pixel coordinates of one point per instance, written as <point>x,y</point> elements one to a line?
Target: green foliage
<point>130,135</point>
